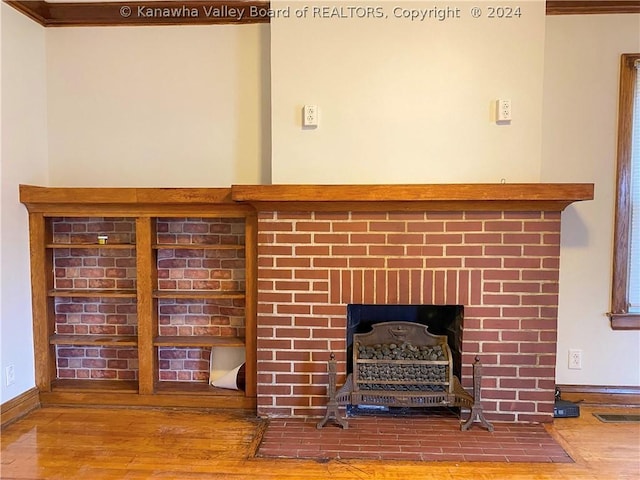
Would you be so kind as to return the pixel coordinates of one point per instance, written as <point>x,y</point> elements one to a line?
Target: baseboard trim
<point>624,396</point>
<point>19,406</point>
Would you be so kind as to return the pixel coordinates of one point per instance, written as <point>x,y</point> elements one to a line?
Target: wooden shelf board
<point>189,246</point>
<point>92,293</point>
<point>217,399</point>
<point>83,386</point>
<point>197,294</point>
<point>92,245</point>
<point>112,340</point>
<point>195,388</point>
<point>454,197</point>
<point>198,341</point>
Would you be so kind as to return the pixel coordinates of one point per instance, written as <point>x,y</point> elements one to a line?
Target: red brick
<point>503,226</point>
<point>387,226</point>
<point>502,250</point>
<point>532,215</point>
<point>521,263</point>
<point>522,238</point>
<point>445,215</point>
<point>517,406</point>
<point>330,262</point>
<point>328,309</point>
<point>464,250</point>
<point>501,324</point>
<point>265,273</point>
<point>502,347</point>
<point>443,263</point>
<point>279,367</point>
<point>383,250</point>
<point>311,298</point>
<point>442,238</point>
<point>521,287</point>
<point>492,287</point>
<point>536,372</point>
<point>517,383</point>
<point>368,238</point>
<point>310,345</point>
<point>464,226</point>
<point>367,262</point>
<point>519,336</point>
<point>501,275</point>
<point>315,226</point>
<point>482,238</point>
<point>292,285</point>
<point>522,359</point>
<point>499,394</point>
<point>549,299</point>
<point>94,363</point>
<point>424,251</point>
<point>292,378</point>
<point>415,227</point>
<point>551,239</point>
<point>292,356</point>
<point>269,344</point>
<point>405,263</point>
<point>501,299</point>
<point>292,332</point>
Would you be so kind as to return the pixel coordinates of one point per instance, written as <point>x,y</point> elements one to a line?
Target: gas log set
<point>401,364</point>
<point>415,370</point>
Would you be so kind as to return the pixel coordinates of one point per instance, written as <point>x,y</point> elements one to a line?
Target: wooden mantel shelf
<point>471,196</point>
<point>474,196</point>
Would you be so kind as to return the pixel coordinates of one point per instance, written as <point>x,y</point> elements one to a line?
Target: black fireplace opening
<point>439,319</point>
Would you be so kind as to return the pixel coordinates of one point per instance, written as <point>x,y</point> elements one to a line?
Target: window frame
<point>620,317</point>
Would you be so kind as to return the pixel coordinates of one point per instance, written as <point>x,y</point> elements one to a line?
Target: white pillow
<point>225,364</point>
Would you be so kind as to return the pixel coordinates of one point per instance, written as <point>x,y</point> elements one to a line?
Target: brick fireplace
<point>493,249</point>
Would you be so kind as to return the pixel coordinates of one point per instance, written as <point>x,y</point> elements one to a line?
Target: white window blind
<point>634,251</point>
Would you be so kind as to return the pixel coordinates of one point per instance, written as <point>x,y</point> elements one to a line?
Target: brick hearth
<point>502,266</point>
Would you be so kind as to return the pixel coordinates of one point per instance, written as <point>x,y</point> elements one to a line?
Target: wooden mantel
<point>474,196</point>
<point>415,197</point>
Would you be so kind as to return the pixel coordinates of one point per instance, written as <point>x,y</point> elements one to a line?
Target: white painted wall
<point>582,64</point>
<point>23,160</point>
<point>158,106</point>
<point>403,101</point>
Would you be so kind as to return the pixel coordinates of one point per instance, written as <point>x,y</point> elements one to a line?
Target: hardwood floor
<point>120,443</point>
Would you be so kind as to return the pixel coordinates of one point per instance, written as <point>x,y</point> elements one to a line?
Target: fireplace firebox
<point>439,319</point>
<point>401,364</point>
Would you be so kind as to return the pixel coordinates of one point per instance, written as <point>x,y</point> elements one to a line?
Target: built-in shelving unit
<point>131,319</point>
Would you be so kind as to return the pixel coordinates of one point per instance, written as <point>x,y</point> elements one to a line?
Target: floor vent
<point>617,418</point>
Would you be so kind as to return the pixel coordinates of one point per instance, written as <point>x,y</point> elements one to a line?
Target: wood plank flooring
<point>125,443</point>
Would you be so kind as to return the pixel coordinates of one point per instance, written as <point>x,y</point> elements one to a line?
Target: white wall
<point>158,106</point>
<point>407,102</point>
<point>582,63</point>
<point>23,160</point>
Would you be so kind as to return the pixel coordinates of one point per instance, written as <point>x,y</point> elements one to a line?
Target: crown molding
<point>92,14</point>
<point>586,7</point>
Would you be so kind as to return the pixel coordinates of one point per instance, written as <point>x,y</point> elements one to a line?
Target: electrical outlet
<point>503,110</point>
<point>575,359</point>
<point>310,116</point>
<point>10,375</point>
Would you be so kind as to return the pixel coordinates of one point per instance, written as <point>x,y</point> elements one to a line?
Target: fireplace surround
<point>492,248</point>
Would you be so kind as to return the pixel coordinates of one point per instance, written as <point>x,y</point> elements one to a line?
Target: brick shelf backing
<point>100,268</point>
<point>193,269</point>
<point>97,362</point>
<point>183,364</point>
<point>502,266</point>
